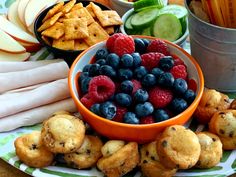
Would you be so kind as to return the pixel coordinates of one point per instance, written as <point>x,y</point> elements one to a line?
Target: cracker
<point>109,18</point>
<point>63,44</point>
<point>46,40</point>
<point>81,13</point>
<point>68,6</point>
<point>110,29</point>
<point>80,44</point>
<point>53,11</point>
<point>49,22</point>
<point>90,10</point>
<point>75,28</point>
<point>96,34</point>
<point>55,31</point>
<point>77,6</point>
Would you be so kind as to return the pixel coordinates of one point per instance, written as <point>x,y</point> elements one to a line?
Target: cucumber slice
<point>128,23</point>
<point>156,6</point>
<point>144,18</point>
<point>145,3</point>
<point>146,32</point>
<point>167,26</point>
<point>184,24</point>
<point>179,11</point>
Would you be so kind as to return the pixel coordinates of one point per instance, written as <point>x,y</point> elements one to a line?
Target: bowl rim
<point>130,11</point>
<point>137,126</point>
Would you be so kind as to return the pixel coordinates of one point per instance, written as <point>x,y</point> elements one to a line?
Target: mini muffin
<point>31,151</point>
<point>223,123</point>
<point>211,102</point>
<point>233,104</point>
<point>63,133</point>
<point>122,161</point>
<point>178,147</point>
<point>87,155</point>
<point>150,163</point>
<point>211,150</point>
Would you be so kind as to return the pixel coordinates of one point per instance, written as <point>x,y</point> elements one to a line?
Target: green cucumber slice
<point>128,23</point>
<point>144,18</point>
<point>184,24</point>
<point>167,26</point>
<point>145,3</point>
<point>179,11</point>
<point>146,32</point>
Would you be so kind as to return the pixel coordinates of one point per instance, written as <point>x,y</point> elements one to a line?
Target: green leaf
<point>225,156</point>
<point>62,174</point>
<point>8,3</point>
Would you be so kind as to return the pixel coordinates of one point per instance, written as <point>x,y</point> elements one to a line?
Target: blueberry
<point>131,118</point>
<point>123,99</point>
<point>149,80</point>
<point>85,84</point>
<point>144,109</point>
<point>108,110</point>
<point>140,72</point>
<point>94,69</point>
<point>146,42</point>
<point>157,72</point>
<point>126,86</point>
<point>139,45</point>
<point>189,96</point>
<point>160,115</point>
<point>178,105</point>
<point>166,63</point>
<point>113,60</point>
<point>95,108</point>
<point>166,79</point>
<point>141,96</point>
<point>82,76</point>
<point>137,60</point>
<point>101,54</point>
<point>127,61</point>
<point>101,62</point>
<point>125,74</point>
<point>86,67</point>
<point>180,86</point>
<point>108,71</point>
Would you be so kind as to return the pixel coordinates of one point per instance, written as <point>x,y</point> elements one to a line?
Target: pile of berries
<point>135,81</point>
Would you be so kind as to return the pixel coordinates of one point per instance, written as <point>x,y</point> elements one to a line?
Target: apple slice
<point>15,32</point>
<point>21,10</point>
<point>34,7</point>
<point>12,15</point>
<point>10,45</point>
<point>30,47</point>
<point>4,56</point>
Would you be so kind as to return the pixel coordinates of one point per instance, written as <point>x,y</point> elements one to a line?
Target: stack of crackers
<point>71,26</point>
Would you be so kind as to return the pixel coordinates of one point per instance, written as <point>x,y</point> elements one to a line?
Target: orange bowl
<point>129,132</point>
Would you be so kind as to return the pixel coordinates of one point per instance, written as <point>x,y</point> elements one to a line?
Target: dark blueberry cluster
<point>123,71</point>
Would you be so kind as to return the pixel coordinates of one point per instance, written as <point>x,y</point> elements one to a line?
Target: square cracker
<point>109,18</point>
<point>49,22</point>
<point>77,6</point>
<point>53,11</point>
<point>80,44</point>
<point>68,6</point>
<point>81,13</point>
<point>110,29</point>
<point>75,28</point>
<point>63,44</point>
<point>90,10</point>
<point>96,34</point>
<point>55,31</point>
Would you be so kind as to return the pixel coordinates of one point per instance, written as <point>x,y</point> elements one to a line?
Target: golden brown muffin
<point>31,151</point>
<point>178,147</point>
<point>211,102</point>
<point>87,155</point>
<point>150,163</point>
<point>211,150</point>
<point>63,133</point>
<point>122,161</point>
<point>223,124</point>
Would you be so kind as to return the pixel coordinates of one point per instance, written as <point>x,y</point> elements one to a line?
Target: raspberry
<point>160,97</point>
<point>87,101</point>
<point>147,120</point>
<point>179,71</point>
<point>101,88</point>
<point>120,112</point>
<point>150,60</point>
<point>124,45</point>
<point>192,85</point>
<point>177,60</point>
<point>111,41</point>
<point>159,46</point>
<point>136,85</point>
